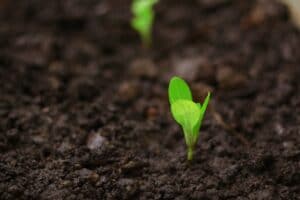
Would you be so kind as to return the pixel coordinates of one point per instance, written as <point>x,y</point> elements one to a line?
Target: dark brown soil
<point>84,112</point>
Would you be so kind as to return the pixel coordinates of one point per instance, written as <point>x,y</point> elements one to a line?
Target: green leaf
<point>186,113</point>
<point>202,112</point>
<point>179,90</point>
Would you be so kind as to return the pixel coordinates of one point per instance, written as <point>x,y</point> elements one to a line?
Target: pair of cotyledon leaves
<point>185,111</point>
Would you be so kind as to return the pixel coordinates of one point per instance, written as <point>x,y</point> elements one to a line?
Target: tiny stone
<point>38,139</point>
<point>288,144</point>
<point>193,68</point>
<point>187,68</point>
<point>66,183</point>
<point>128,90</point>
<point>143,67</point>
<point>152,113</point>
<point>77,166</point>
<point>94,177</point>
<point>264,11</point>
<point>125,181</point>
<point>256,16</point>
<point>90,175</point>
<point>128,184</point>
<point>133,167</point>
<point>130,165</point>
<point>95,141</point>
<point>54,83</point>
<point>279,129</point>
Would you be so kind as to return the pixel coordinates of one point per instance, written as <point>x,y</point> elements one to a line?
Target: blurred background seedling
<point>143,18</point>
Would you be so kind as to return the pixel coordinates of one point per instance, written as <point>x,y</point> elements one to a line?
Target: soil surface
<point>84,112</point>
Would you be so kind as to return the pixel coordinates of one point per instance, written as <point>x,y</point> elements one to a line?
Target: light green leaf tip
<point>179,89</point>
<point>205,104</point>
<point>202,113</point>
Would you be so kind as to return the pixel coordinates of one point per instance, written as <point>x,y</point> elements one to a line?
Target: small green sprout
<point>143,19</point>
<point>186,112</point>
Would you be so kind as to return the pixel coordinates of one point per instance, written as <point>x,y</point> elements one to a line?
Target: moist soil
<point>84,112</point>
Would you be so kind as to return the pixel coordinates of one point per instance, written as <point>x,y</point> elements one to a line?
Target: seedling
<point>143,19</point>
<point>186,112</point>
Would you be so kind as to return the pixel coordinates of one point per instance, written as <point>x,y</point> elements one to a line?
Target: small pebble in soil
<point>279,129</point>
<point>152,113</point>
<point>227,78</point>
<point>39,139</point>
<point>262,12</point>
<point>143,67</point>
<point>193,68</point>
<point>133,167</point>
<point>256,17</point>
<point>66,183</point>
<point>128,90</point>
<point>94,177</point>
<point>54,83</point>
<point>95,141</point>
<point>186,68</point>
<point>127,183</point>
<point>288,144</point>
<point>77,166</point>
<point>89,175</point>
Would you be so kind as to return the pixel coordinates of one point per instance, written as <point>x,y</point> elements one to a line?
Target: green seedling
<point>143,17</point>
<point>186,112</point>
